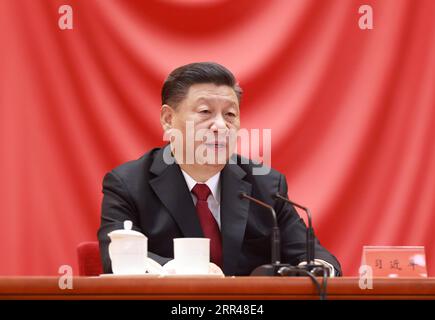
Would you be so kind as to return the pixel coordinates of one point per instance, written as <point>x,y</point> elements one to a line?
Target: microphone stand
<point>310,231</point>
<point>276,268</point>
<point>272,268</point>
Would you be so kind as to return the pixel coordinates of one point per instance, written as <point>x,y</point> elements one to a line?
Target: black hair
<point>178,82</point>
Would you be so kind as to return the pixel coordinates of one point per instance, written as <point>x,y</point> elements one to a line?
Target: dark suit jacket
<point>155,197</point>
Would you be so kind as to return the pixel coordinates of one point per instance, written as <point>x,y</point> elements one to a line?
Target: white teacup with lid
<point>128,250</point>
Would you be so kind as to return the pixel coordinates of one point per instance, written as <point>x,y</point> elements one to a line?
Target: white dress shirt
<point>214,199</point>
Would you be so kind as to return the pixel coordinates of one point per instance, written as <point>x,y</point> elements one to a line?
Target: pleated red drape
<point>352,112</point>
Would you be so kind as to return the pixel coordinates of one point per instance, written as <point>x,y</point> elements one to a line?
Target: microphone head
<point>276,196</point>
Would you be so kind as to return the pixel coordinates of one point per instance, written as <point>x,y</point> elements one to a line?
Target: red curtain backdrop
<point>352,112</point>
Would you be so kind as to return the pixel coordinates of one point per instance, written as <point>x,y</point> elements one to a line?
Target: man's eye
<point>204,111</point>
<point>230,114</point>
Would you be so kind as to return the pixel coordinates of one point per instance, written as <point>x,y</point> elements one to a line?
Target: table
<point>199,288</point>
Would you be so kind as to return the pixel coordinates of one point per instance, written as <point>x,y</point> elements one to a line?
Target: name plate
<point>395,261</point>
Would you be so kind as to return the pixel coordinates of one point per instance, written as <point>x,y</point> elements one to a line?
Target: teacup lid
<point>126,232</point>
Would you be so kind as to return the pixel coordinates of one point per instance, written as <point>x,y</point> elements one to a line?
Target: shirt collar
<point>212,183</point>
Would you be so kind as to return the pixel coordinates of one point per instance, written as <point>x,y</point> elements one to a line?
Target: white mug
<point>192,255</point>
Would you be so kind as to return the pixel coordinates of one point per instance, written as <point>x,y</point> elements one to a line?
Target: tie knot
<point>201,191</point>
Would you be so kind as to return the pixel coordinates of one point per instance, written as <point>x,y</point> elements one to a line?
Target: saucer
<point>144,275</point>
<point>192,276</point>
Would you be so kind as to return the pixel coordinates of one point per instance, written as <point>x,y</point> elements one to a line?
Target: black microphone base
<point>286,270</point>
<point>266,270</point>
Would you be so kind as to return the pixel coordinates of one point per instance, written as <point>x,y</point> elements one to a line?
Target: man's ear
<point>166,117</point>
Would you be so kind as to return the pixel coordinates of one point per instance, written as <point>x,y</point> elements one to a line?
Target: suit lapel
<point>234,215</point>
<point>170,187</point>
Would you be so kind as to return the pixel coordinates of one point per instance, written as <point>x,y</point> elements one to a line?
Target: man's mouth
<point>216,144</point>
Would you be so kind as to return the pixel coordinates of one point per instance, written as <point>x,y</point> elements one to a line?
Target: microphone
<point>310,237</point>
<point>276,268</point>
<point>276,246</point>
<point>310,231</point>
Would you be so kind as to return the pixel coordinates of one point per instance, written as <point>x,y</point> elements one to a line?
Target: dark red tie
<point>208,223</point>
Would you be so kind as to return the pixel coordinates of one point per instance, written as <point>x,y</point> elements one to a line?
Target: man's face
<point>210,114</point>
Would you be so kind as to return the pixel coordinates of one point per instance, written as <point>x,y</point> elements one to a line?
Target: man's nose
<point>218,123</point>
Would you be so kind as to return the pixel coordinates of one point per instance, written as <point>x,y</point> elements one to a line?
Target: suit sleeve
<point>117,206</point>
<point>293,234</point>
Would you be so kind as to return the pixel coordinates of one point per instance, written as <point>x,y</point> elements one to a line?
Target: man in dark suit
<point>166,196</point>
